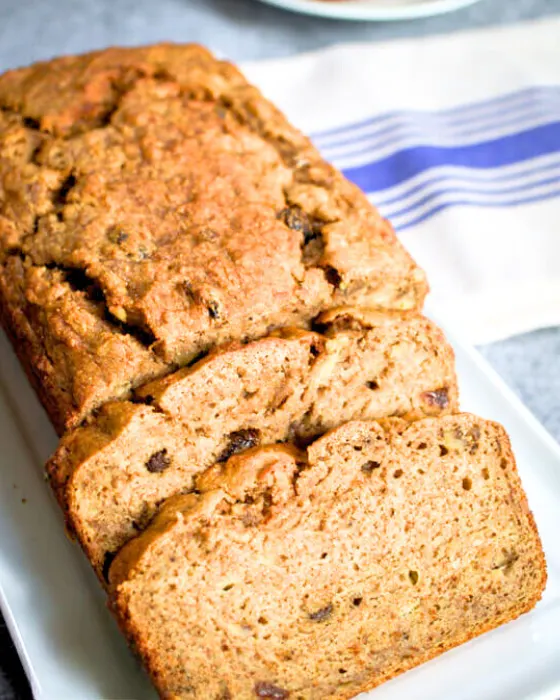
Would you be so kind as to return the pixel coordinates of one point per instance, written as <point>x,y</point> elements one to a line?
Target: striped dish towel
<point>457,140</point>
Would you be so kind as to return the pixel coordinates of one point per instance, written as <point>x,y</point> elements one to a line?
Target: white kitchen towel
<point>457,140</point>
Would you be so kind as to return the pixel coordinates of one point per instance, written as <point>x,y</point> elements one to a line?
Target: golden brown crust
<point>483,563</point>
<point>179,209</point>
<point>73,357</point>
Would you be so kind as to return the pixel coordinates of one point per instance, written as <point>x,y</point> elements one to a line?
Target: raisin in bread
<point>111,474</point>
<point>153,205</point>
<point>320,574</point>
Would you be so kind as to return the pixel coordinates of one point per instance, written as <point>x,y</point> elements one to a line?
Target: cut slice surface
<point>111,474</point>
<point>321,574</point>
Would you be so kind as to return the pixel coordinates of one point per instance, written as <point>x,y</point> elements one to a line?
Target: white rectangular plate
<point>71,648</point>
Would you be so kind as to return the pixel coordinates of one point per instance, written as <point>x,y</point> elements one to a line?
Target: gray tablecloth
<point>247,29</point>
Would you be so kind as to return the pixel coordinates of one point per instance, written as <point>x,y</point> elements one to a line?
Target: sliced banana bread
<point>174,209</point>
<point>320,574</point>
<point>111,474</point>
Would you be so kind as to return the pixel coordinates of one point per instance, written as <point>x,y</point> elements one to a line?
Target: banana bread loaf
<point>152,205</point>
<point>322,574</point>
<point>111,474</point>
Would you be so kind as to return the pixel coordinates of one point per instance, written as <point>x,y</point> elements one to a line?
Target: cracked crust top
<point>174,208</point>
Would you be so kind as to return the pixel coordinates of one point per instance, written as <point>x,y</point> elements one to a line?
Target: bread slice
<point>320,574</point>
<point>111,475</point>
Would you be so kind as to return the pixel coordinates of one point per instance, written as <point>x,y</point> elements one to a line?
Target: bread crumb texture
<point>111,474</point>
<point>324,572</point>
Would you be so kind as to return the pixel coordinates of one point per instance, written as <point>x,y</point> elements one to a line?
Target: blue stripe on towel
<point>517,201</point>
<point>494,153</point>
<point>471,195</point>
<point>459,115</point>
<point>405,164</point>
<point>366,148</point>
<point>466,179</point>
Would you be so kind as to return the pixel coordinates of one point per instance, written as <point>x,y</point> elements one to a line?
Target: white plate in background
<point>72,650</point>
<point>371,10</point>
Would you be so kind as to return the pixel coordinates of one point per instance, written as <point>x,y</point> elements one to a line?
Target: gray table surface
<point>247,29</point>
